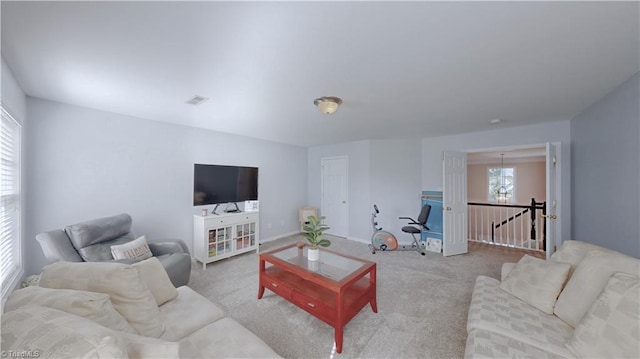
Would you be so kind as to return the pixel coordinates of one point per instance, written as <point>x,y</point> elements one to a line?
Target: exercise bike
<point>385,241</point>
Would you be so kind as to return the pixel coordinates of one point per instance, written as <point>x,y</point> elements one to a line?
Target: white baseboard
<point>366,241</point>
<point>283,235</point>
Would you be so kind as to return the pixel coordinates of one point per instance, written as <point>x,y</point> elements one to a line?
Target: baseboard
<point>356,239</point>
<point>279,236</point>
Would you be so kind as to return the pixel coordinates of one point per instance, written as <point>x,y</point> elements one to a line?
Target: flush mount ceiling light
<point>327,104</point>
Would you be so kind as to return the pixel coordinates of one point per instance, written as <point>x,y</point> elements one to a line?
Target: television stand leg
<point>236,210</point>
<point>214,209</point>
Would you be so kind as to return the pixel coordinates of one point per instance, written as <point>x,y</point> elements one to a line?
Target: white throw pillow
<point>91,305</point>
<point>50,333</point>
<point>122,282</point>
<point>157,280</point>
<point>588,280</point>
<point>137,249</point>
<point>536,281</point>
<point>573,252</point>
<point>611,327</point>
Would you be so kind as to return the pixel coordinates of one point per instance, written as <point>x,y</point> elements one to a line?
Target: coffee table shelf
<point>333,290</point>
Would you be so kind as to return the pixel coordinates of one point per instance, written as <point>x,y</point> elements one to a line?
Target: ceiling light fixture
<point>501,193</point>
<point>327,104</point>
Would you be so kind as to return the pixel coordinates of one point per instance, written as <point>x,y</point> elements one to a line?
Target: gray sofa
<point>91,241</point>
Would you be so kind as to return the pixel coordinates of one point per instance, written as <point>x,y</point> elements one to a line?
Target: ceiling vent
<point>196,100</point>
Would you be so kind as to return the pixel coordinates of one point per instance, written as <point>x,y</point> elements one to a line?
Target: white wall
<point>382,172</point>
<point>358,186</point>
<point>13,98</point>
<point>606,170</point>
<point>395,183</point>
<point>85,164</point>
<point>529,181</point>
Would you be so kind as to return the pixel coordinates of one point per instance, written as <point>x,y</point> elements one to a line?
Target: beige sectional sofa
<point>583,302</point>
<point>112,310</point>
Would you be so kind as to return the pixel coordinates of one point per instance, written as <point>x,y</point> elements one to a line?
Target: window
<point>10,238</point>
<point>501,184</point>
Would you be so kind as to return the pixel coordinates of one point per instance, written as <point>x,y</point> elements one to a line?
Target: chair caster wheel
<point>423,253</point>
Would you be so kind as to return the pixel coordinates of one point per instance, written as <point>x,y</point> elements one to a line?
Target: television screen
<point>213,184</point>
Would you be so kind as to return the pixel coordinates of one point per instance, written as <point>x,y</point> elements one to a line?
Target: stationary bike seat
<point>410,229</point>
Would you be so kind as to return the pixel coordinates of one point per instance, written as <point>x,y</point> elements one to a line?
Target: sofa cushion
<point>157,280</point>
<point>139,347</point>
<point>588,280</point>
<point>128,293</point>
<point>137,249</point>
<point>489,345</point>
<point>225,338</point>
<point>497,311</point>
<point>536,281</point>
<point>506,269</point>
<point>93,239</point>
<point>51,333</point>
<point>94,306</point>
<point>611,327</point>
<point>181,319</point>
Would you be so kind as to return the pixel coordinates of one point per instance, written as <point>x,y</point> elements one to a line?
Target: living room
<point>81,161</point>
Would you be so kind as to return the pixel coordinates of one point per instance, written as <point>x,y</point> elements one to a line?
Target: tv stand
<point>224,235</point>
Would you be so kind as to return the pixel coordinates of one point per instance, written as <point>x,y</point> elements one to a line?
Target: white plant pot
<point>313,254</point>
<point>313,266</point>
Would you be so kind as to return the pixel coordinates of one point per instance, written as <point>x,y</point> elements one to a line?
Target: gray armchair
<point>91,241</point>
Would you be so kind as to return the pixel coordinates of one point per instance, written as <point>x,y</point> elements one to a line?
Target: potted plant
<point>312,231</point>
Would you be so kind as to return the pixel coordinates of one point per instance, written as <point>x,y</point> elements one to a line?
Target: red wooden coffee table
<point>333,289</point>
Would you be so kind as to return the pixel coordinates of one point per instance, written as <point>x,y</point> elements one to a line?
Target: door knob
<point>448,208</point>
<point>550,216</point>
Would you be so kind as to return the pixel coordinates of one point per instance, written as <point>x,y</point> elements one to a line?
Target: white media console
<point>224,235</point>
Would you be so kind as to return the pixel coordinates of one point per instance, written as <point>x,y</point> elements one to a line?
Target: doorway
<point>334,194</point>
<point>537,162</point>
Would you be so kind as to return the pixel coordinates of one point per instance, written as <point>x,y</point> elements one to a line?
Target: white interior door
<point>552,201</point>
<point>454,203</point>
<point>334,204</point>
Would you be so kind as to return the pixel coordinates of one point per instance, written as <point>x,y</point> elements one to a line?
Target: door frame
<point>322,204</point>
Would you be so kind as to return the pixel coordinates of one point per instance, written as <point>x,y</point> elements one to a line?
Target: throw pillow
<point>50,333</point>
<point>157,280</point>
<point>536,281</point>
<point>573,252</point>
<point>94,306</point>
<point>611,327</point>
<point>137,249</point>
<point>588,280</point>
<point>128,293</point>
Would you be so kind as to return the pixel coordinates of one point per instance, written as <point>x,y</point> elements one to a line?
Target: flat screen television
<point>215,184</point>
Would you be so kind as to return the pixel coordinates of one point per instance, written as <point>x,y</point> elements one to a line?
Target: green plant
<point>313,230</point>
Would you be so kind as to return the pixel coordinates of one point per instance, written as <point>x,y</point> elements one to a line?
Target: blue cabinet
<point>433,237</point>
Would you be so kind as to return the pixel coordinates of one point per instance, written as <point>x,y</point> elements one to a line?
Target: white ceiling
<point>404,70</point>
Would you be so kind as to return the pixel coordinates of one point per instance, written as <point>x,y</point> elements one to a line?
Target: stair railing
<point>518,226</point>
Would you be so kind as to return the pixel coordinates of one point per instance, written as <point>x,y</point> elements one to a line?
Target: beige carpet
<point>422,303</point>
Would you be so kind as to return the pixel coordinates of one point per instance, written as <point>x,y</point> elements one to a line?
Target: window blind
<point>10,242</point>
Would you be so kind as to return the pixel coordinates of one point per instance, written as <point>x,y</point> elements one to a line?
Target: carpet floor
<point>422,303</point>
